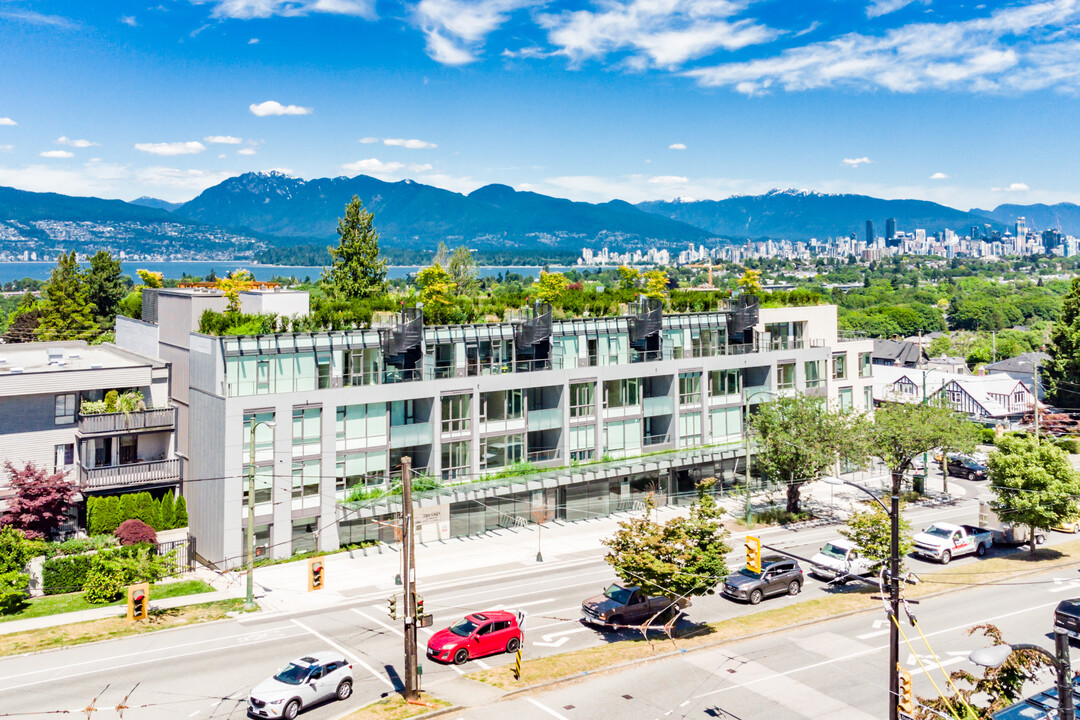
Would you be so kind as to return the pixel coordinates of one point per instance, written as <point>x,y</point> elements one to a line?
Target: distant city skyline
<point>958,103</point>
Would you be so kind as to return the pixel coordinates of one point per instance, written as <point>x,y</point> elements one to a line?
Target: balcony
<point>154,472</point>
<point>110,423</point>
<point>661,405</point>
<point>410,435</point>
<point>549,419</point>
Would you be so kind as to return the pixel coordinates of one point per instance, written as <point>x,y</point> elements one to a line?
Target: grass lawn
<point>393,707</point>
<point>109,628</point>
<point>849,599</point>
<point>71,602</point>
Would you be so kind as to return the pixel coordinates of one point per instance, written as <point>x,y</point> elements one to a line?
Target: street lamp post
<point>996,656</point>
<point>249,601</point>
<point>894,586</point>
<point>746,436</point>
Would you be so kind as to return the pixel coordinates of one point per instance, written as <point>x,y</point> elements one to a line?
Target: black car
<point>1067,617</point>
<point>778,576</point>
<point>966,467</point>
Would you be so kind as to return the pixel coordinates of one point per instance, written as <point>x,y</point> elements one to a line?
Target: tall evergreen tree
<point>355,269</point>
<point>1062,370</point>
<point>66,310</point>
<point>167,514</point>
<point>180,517</point>
<point>105,287</point>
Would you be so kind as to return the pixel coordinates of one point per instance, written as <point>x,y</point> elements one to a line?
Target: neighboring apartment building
<point>988,399</point>
<point>607,410</point>
<point>42,390</point>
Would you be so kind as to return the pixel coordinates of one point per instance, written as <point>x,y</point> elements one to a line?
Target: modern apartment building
<point>603,410</point>
<point>52,414</point>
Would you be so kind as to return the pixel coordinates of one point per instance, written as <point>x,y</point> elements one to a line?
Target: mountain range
<point>261,208</point>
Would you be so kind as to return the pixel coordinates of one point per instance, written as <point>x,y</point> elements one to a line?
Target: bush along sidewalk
<point>105,514</point>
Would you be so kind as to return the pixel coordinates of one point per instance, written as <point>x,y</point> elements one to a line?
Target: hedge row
<point>105,514</point>
<point>65,574</point>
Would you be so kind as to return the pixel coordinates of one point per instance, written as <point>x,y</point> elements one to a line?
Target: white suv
<point>301,684</point>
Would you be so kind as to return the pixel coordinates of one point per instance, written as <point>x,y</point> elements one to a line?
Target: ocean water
<point>175,269</point>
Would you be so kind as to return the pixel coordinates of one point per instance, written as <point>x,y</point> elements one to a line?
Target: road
<point>206,671</point>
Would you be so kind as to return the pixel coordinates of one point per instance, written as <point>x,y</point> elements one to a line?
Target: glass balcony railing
<point>662,405</point>
<point>410,435</point>
<point>549,419</point>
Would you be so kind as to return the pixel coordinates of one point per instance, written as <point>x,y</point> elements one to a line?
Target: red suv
<point>476,635</point>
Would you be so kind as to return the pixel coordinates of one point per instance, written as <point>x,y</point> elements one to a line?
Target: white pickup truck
<point>944,541</point>
<point>839,558</point>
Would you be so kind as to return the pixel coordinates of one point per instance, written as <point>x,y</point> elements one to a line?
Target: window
<point>360,425</point>
<point>868,398</point>
<point>305,478</point>
<point>839,366</point>
<point>403,412</point>
<point>65,409</point>
<point>501,450</point>
<point>689,388</point>
<point>582,400</point>
<point>815,373</point>
<point>361,367</point>
<point>129,449</point>
<point>361,468</point>
<point>622,393</point>
<point>307,431</point>
<point>702,343</point>
<point>866,363</point>
<point>501,405</point>
<point>726,423</point>
<point>690,429</point>
<point>323,362</point>
<point>455,412</point>
<point>264,437</point>
<point>583,442</point>
<point>623,437</point>
<point>455,459</point>
<point>725,382</point>
<point>846,396</point>
<point>785,376</point>
<point>101,448</point>
<point>264,484</point>
<point>65,456</point>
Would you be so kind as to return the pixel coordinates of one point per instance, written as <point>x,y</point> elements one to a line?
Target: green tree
<point>902,431</point>
<point>656,284</point>
<point>682,557</point>
<point>15,550</point>
<point>628,277</point>
<point>108,511</point>
<point>1062,370</point>
<point>232,285</point>
<point>550,287</point>
<point>66,310</point>
<point>871,529</point>
<point>798,440</point>
<point>127,507</point>
<point>151,278</point>
<point>462,269</point>
<point>22,322</point>
<point>750,282</point>
<point>105,287</point>
<point>180,515</point>
<point>1034,483</point>
<point>437,293</point>
<point>167,514</point>
<point>355,269</point>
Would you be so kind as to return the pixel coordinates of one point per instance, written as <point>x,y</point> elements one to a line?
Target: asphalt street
<point>206,671</point>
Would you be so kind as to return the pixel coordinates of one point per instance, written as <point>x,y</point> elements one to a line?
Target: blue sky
<point>962,103</point>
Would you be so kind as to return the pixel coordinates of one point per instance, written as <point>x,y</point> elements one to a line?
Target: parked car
<point>621,605</point>
<point>839,557</point>
<point>1007,533</point>
<point>965,467</point>
<point>1072,525</point>
<point>778,576</point>
<point>302,683</point>
<point>483,633</point>
<point>1067,617</point>
<point>944,541</point>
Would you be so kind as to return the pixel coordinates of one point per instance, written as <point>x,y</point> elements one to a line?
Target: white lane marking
<point>105,667</point>
<point>877,631</point>
<point>545,708</point>
<point>380,623</point>
<point>194,714</point>
<point>482,664</point>
<point>549,641</point>
<point>947,661</point>
<point>525,604</point>
<point>1064,584</point>
<point>868,651</point>
<point>379,676</point>
<point>546,582</point>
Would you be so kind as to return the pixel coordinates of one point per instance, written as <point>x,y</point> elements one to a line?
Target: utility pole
<point>894,598</point>
<point>1035,390</point>
<point>249,601</point>
<point>408,559</point>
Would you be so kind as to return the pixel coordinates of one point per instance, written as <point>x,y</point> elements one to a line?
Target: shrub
<point>65,574</point>
<point>167,514</point>
<point>15,550</point>
<point>133,532</point>
<point>14,589</point>
<point>986,435</point>
<point>106,517</point>
<point>1069,445</point>
<point>180,518</point>
<point>111,399</point>
<point>107,579</point>
<point>780,516</point>
<point>145,508</point>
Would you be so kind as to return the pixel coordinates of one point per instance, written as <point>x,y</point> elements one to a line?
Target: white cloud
<point>877,8</point>
<point>191,181</point>
<point>7,121</point>
<point>419,167</point>
<point>1013,187</point>
<point>373,166</point>
<point>246,151</point>
<point>171,148</point>
<point>248,9</point>
<point>63,140</point>
<point>455,29</point>
<point>6,148</point>
<point>669,180</point>
<point>33,18</point>
<point>676,146</point>
<point>659,33</point>
<point>222,140</point>
<point>1024,48</point>
<point>856,162</point>
<point>129,20</point>
<point>253,41</point>
<point>369,140</point>
<point>939,176</point>
<point>410,144</point>
<point>272,107</point>
<point>57,154</point>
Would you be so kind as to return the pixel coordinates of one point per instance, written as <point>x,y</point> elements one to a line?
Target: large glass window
<point>65,409</point>
<point>359,425</point>
<point>264,484</point>
<point>846,399</point>
<point>361,367</point>
<point>866,364</point>
<point>815,373</point>
<point>361,468</point>
<point>455,459</point>
<point>868,398</point>
<point>307,431</point>
<point>264,437</point>
<point>725,423</point>
<point>725,382</point>
<point>623,438</point>
<point>839,366</point>
<point>502,450</point>
<point>583,442</point>
<point>501,405</point>
<point>455,412</point>
<point>305,478</point>
<point>690,429</point>
<point>689,388</point>
<point>785,376</point>
<point>622,393</point>
<point>582,399</point>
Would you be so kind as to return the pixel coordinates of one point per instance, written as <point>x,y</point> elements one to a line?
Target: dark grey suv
<point>779,576</point>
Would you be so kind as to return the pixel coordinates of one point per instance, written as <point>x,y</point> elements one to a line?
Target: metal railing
<point>545,419</point>
<point>154,419</point>
<point>393,375</point>
<point>651,440</point>
<point>410,435</point>
<point>489,367</point>
<point>544,455</point>
<point>532,365</point>
<point>138,473</point>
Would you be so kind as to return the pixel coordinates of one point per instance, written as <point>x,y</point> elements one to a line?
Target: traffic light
<point>906,702</point>
<point>138,602</point>
<point>392,607</point>
<point>419,607</point>
<point>753,554</point>
<point>315,574</point>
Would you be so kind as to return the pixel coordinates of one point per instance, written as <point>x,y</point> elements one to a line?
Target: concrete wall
<point>289,303</point>
<point>137,336</point>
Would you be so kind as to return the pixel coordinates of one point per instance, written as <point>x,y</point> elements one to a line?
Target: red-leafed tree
<point>41,500</point>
